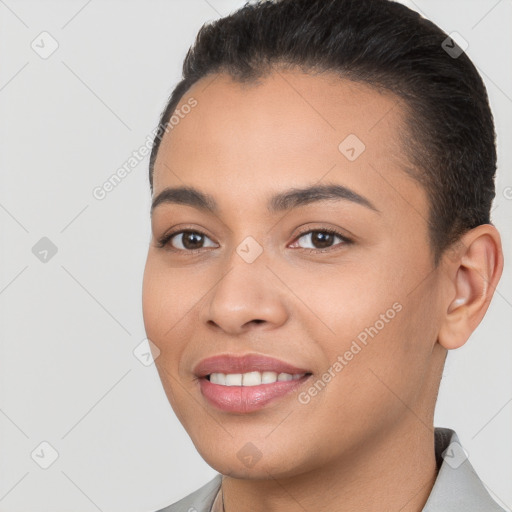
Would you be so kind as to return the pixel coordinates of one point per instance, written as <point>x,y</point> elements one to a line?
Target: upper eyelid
<point>298,235</point>
<point>337,232</point>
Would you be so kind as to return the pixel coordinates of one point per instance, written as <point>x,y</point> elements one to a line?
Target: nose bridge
<point>247,291</point>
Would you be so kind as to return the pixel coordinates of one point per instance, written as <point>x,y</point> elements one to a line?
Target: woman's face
<point>358,311</point>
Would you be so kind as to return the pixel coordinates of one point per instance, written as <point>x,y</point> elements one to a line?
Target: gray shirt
<point>457,486</point>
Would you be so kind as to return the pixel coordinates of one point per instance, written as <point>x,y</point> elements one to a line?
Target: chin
<point>249,462</point>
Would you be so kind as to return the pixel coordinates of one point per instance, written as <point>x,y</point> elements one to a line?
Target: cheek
<point>387,358</point>
<point>377,327</point>
<point>151,300</point>
<point>171,301</point>
<point>164,297</point>
<point>348,299</point>
<point>162,307</point>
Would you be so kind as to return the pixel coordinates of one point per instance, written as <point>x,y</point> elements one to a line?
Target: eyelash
<point>165,239</point>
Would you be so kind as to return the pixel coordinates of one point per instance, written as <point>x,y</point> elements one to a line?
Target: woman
<point>322,180</point>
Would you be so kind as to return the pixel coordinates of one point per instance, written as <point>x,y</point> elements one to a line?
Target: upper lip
<point>230,363</point>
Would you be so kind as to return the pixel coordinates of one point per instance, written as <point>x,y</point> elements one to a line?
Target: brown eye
<point>191,240</point>
<point>321,239</point>
<point>185,241</point>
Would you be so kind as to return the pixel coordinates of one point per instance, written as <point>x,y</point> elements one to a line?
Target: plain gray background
<point>69,324</point>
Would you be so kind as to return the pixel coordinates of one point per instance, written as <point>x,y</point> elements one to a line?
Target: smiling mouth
<point>259,390</point>
<point>254,378</point>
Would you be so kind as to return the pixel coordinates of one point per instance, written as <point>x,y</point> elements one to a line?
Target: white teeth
<point>268,377</point>
<point>218,378</point>
<point>252,378</point>
<point>234,379</point>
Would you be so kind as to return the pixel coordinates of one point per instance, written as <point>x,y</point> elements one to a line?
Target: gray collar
<point>457,486</point>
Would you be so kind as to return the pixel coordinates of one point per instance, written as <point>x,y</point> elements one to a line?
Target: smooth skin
<point>366,441</point>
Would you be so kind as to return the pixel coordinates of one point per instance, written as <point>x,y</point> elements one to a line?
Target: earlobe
<point>474,271</point>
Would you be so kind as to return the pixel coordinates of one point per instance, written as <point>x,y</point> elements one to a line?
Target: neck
<point>396,472</point>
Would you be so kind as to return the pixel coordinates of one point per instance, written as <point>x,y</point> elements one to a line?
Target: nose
<point>246,296</point>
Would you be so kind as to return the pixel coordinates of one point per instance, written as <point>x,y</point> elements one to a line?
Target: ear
<point>474,265</point>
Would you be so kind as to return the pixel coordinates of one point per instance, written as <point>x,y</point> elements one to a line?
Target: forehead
<point>287,129</point>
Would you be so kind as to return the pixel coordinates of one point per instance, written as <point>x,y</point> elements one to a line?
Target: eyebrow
<point>283,201</point>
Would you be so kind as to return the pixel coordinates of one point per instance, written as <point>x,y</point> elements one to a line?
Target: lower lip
<point>244,399</point>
